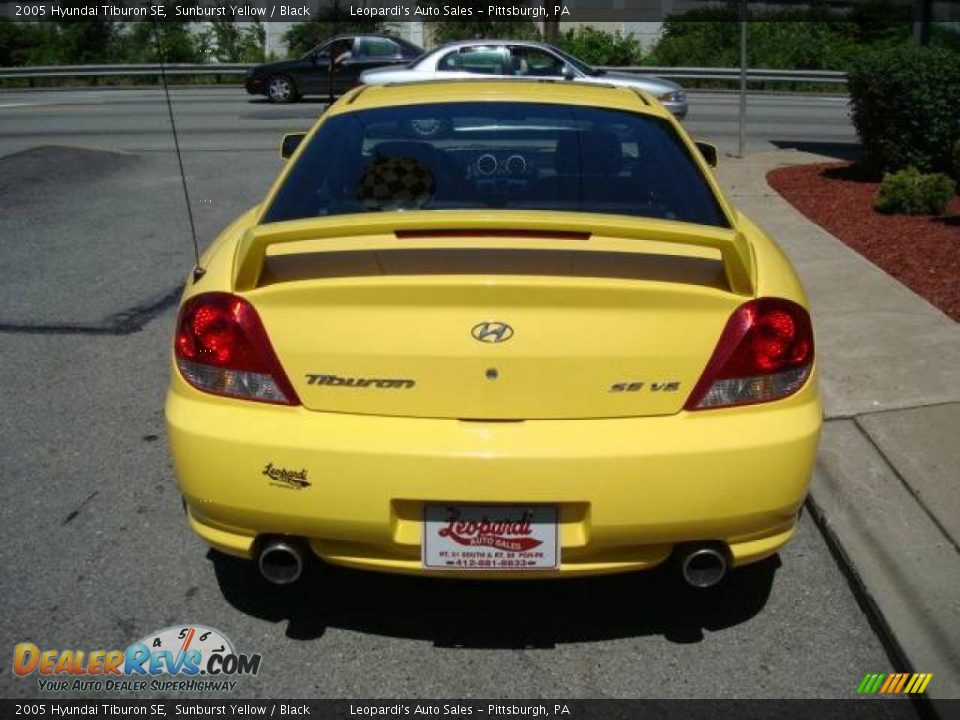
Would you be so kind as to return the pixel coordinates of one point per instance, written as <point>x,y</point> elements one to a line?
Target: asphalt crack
<point>125,322</point>
<point>71,516</point>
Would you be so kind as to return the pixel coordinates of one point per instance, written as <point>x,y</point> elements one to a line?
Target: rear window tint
<point>530,156</point>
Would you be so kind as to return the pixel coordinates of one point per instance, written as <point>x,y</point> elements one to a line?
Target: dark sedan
<point>331,68</point>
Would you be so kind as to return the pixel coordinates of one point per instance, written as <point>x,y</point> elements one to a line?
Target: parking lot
<point>95,550</point>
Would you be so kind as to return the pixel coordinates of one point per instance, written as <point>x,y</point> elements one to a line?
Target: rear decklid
<point>493,316</point>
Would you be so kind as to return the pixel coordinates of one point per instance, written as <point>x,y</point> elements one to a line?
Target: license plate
<point>490,537</point>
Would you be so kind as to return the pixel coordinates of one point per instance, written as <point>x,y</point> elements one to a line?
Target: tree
<point>24,43</point>
<point>253,44</point>
<point>176,39</point>
<point>85,41</point>
<point>238,42</point>
<point>812,37</point>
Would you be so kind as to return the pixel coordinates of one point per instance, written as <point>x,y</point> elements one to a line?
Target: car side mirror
<point>568,73</point>
<point>321,59</point>
<point>290,143</point>
<point>710,154</point>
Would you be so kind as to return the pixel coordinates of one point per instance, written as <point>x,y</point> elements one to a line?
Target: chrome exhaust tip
<point>280,562</point>
<point>703,566</point>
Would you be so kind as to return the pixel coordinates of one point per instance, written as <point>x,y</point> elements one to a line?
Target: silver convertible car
<point>516,58</point>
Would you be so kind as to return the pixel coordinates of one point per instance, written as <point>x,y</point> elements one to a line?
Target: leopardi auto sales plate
<point>490,537</point>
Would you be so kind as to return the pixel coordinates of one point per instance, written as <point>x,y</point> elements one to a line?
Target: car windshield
<point>524,156</point>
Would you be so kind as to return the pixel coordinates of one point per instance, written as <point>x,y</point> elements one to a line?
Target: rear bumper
<point>627,490</point>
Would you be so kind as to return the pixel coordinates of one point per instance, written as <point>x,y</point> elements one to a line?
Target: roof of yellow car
<point>513,90</point>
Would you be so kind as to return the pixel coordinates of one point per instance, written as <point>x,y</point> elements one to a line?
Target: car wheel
<point>281,89</point>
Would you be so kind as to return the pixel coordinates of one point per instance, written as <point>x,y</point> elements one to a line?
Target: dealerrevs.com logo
<point>200,658</point>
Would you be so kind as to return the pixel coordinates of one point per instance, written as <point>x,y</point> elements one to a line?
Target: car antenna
<point>198,272</point>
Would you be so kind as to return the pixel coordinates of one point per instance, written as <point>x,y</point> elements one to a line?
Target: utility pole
<point>922,13</point>
<point>551,26</point>
<point>742,143</point>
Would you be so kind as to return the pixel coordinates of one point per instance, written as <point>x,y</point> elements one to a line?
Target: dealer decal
<point>285,478</point>
<point>502,535</point>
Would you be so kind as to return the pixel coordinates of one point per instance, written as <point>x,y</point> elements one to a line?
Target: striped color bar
<point>894,683</point>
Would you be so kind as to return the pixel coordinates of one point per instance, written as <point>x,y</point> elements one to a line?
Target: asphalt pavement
<point>94,550</point>
<point>227,119</point>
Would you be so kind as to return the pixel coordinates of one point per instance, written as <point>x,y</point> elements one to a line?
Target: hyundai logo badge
<point>491,332</point>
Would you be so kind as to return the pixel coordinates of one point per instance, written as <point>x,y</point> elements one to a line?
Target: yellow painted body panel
<point>630,483</point>
<point>573,342</point>
<point>628,489</point>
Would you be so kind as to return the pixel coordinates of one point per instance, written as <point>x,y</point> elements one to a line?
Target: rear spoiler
<point>427,229</point>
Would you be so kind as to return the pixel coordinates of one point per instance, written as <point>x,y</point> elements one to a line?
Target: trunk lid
<point>429,347</point>
<point>558,318</point>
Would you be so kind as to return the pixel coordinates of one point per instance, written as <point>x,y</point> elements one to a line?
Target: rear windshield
<point>523,156</point>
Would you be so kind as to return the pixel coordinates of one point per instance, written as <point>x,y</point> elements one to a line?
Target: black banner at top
<point>392,11</point>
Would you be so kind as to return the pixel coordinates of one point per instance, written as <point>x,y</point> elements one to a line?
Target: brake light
<point>765,353</point>
<point>222,348</point>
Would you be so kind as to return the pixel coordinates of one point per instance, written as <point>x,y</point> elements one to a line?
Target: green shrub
<point>956,161</point>
<point>910,192</point>
<point>905,106</point>
<point>598,47</point>
<point>810,38</point>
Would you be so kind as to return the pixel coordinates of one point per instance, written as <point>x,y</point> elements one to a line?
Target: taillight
<point>765,353</point>
<point>222,348</point>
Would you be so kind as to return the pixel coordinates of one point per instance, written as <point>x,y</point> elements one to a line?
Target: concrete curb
<point>886,489</point>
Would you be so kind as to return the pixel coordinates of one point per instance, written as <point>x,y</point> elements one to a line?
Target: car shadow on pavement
<point>316,100</point>
<point>497,614</point>
<point>850,151</point>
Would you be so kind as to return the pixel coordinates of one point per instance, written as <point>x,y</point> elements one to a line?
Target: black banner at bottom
<point>865,708</point>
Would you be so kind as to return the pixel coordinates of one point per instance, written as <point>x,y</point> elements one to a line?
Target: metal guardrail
<point>52,71</point>
<point>691,73</point>
<point>833,77</point>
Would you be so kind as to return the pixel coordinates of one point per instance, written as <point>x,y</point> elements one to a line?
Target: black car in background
<point>331,68</point>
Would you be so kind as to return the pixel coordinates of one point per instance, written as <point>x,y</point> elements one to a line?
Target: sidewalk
<point>887,484</point>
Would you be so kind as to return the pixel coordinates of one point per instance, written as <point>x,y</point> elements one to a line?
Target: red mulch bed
<point>922,252</point>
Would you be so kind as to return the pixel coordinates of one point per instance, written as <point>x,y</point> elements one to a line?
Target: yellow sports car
<point>507,329</point>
